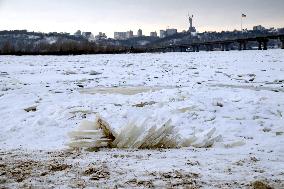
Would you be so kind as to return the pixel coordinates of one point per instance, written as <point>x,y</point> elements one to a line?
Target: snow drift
<point>137,135</point>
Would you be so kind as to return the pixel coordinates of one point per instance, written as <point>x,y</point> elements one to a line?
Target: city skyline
<point>111,16</point>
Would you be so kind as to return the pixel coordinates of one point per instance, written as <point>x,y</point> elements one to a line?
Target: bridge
<point>223,44</point>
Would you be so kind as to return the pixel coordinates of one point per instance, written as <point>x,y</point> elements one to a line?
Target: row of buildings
<point>124,35</point>
<point>167,32</point>
<point>129,34</point>
<point>86,35</point>
<point>89,36</point>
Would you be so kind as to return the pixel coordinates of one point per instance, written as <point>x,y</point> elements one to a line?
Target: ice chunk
<point>90,135</point>
<point>202,140</point>
<point>135,135</point>
<point>234,144</point>
<point>145,134</point>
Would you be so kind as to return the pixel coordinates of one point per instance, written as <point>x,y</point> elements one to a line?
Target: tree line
<point>63,48</point>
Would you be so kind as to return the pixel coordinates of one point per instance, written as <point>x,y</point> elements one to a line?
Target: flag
<point>244,16</point>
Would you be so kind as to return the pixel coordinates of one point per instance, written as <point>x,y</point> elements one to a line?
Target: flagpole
<point>242,17</point>
<point>242,23</point>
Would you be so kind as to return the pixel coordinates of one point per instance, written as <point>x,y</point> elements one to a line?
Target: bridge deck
<point>260,39</point>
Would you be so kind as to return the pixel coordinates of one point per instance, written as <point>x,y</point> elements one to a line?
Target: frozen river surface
<point>239,96</point>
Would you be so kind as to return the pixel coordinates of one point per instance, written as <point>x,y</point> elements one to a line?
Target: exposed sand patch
<point>249,87</point>
<point>121,90</point>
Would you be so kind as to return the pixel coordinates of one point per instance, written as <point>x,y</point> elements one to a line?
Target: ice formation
<point>89,135</point>
<point>137,135</point>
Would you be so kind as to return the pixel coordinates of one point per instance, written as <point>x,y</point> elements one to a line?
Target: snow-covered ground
<point>239,95</point>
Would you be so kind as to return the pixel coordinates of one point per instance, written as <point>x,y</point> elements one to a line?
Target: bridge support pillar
<point>195,48</point>
<point>259,45</point>
<point>183,49</point>
<point>223,47</point>
<point>227,47</point>
<point>262,43</point>
<point>282,42</point>
<point>242,45</point>
<point>209,48</point>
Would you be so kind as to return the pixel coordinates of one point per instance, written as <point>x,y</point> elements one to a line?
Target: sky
<point>150,15</point>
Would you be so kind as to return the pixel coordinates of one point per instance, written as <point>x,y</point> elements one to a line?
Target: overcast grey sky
<point>149,15</point>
